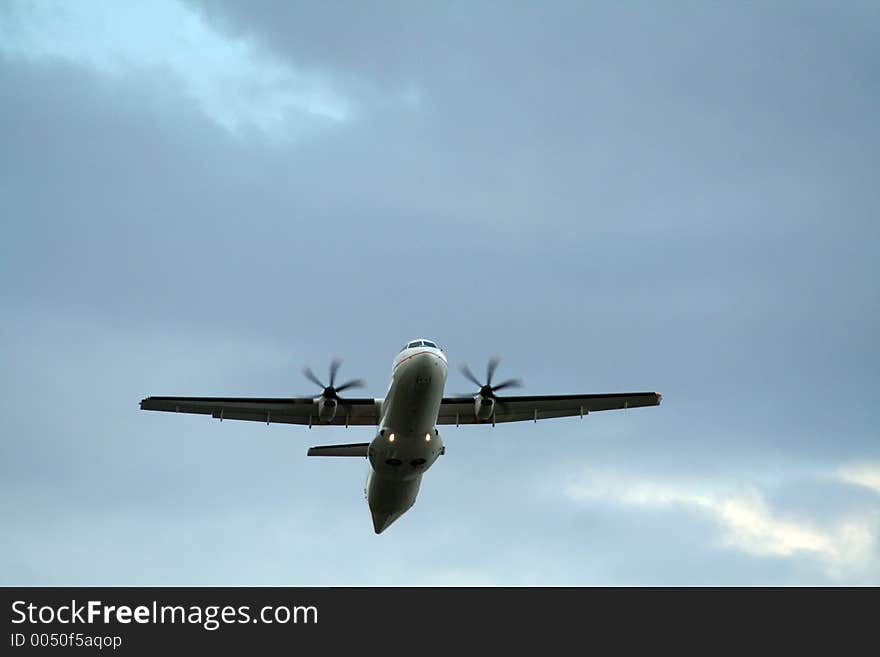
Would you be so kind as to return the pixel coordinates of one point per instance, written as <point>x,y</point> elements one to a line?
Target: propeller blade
<point>311,377</point>
<point>334,368</point>
<point>490,369</point>
<point>510,383</point>
<point>354,383</point>
<point>470,375</point>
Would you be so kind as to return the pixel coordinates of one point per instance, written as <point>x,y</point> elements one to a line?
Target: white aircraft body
<point>407,441</point>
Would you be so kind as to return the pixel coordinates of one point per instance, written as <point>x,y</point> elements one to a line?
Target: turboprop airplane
<point>407,441</point>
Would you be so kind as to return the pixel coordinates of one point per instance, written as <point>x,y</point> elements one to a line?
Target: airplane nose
<point>429,360</point>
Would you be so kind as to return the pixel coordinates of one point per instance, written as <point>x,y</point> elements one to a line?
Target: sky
<point>202,198</point>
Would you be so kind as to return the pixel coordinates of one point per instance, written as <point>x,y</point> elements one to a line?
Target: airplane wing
<point>460,410</point>
<point>285,410</point>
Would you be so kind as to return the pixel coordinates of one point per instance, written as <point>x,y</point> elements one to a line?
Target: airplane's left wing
<point>460,410</point>
<point>287,410</point>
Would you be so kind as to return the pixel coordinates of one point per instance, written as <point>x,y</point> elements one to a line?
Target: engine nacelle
<point>483,407</point>
<point>327,409</point>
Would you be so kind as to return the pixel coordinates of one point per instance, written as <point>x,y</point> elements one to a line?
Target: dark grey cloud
<point>610,198</point>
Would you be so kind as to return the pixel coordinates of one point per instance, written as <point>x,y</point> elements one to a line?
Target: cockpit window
<point>421,343</point>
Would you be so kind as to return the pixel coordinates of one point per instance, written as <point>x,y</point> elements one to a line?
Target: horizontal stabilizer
<point>357,449</point>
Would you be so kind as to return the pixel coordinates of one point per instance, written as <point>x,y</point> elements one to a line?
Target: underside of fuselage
<point>408,442</point>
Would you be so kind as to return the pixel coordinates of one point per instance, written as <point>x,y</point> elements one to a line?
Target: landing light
<point>427,437</point>
<point>391,438</point>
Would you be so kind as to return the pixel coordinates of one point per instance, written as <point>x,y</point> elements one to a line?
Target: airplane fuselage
<point>407,443</point>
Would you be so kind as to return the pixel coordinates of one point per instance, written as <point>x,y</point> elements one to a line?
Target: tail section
<point>356,449</point>
<point>390,498</point>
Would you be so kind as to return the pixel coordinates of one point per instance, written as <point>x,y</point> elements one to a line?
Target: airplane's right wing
<point>460,410</point>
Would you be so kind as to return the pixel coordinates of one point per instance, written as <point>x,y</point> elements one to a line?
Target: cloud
<point>747,522</point>
<point>865,474</point>
<point>462,577</point>
<point>681,232</point>
<point>237,83</point>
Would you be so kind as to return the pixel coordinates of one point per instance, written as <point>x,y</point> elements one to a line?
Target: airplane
<point>407,441</point>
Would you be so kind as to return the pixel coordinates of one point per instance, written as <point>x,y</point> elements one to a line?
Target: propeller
<point>332,391</point>
<point>487,390</point>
